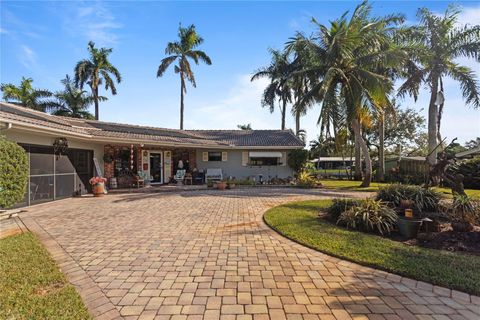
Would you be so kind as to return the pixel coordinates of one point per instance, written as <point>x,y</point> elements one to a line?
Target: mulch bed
<point>467,242</point>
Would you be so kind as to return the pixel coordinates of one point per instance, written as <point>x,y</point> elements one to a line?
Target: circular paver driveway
<point>208,255</point>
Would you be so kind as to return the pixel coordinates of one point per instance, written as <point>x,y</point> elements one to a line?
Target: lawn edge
<point>95,300</point>
<point>412,283</point>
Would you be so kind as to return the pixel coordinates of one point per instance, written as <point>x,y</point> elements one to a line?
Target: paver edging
<point>91,294</point>
<point>409,282</point>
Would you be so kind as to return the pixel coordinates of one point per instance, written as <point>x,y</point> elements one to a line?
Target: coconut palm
<point>27,96</point>
<point>181,51</point>
<point>95,71</point>
<point>74,102</point>
<point>279,87</point>
<point>350,53</point>
<point>436,43</point>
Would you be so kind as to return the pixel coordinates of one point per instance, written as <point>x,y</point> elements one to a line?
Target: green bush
<point>471,172</point>
<point>13,173</point>
<point>371,215</point>
<point>339,206</point>
<point>424,200</point>
<point>297,159</point>
<point>463,209</point>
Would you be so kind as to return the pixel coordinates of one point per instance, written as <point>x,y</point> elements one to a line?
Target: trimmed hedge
<point>13,173</point>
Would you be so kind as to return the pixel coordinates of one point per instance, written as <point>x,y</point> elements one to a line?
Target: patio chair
<point>179,175</point>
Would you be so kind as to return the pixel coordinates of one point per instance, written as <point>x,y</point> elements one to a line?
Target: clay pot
<point>462,226</point>
<point>221,185</point>
<point>98,189</point>
<point>406,204</point>
<point>231,186</point>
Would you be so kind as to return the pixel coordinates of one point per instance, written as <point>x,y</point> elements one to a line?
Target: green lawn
<point>32,286</point>
<point>299,221</point>
<point>374,186</point>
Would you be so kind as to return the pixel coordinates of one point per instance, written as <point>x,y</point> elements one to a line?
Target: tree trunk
<point>440,112</point>
<point>381,149</point>
<point>432,124</point>
<point>284,108</point>
<point>297,123</point>
<point>358,155</point>
<point>95,98</point>
<point>181,100</point>
<point>363,146</point>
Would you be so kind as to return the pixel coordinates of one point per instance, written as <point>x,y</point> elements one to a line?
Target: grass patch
<point>298,221</point>
<point>374,186</point>
<point>32,286</point>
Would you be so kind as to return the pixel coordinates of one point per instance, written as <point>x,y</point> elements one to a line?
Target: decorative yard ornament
<point>60,146</point>
<point>440,98</point>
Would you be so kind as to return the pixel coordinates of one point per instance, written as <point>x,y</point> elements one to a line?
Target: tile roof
<point>101,129</point>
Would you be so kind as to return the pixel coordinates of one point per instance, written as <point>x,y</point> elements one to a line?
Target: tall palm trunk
<point>358,156</point>
<point>381,149</point>
<point>363,146</point>
<point>95,98</point>
<point>284,110</point>
<point>297,123</point>
<point>432,124</point>
<point>181,100</point>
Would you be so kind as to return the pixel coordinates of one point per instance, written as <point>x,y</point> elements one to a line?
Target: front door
<point>156,171</point>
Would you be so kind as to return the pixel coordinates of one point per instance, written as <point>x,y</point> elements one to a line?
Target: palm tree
<point>95,71</point>
<point>350,53</point>
<point>436,44</point>
<point>26,96</point>
<point>280,85</point>
<point>182,50</point>
<point>73,102</point>
<point>247,126</point>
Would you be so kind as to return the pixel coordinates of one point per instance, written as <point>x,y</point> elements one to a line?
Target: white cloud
<point>469,15</point>
<point>28,57</point>
<point>94,21</point>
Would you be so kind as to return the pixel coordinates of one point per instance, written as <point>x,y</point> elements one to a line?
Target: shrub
<point>471,172</point>
<point>463,209</point>
<point>371,215</point>
<point>424,200</point>
<point>297,159</point>
<point>339,206</point>
<point>13,173</point>
<point>305,179</point>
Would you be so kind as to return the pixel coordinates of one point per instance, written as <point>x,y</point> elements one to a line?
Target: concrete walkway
<point>208,255</point>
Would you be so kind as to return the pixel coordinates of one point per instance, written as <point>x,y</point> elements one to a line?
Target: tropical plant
<point>435,45</point>
<point>95,71</point>
<point>297,159</point>
<point>73,102</point>
<point>247,126</point>
<point>279,87</point>
<point>424,199</point>
<point>352,56</point>
<point>27,96</point>
<point>13,172</point>
<point>305,179</point>
<point>370,215</point>
<point>339,206</point>
<point>181,51</point>
<point>464,209</point>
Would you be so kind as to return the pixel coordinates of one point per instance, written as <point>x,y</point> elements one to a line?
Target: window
<point>263,161</point>
<point>214,156</point>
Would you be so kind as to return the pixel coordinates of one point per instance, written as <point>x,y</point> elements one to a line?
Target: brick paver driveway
<point>208,255</point>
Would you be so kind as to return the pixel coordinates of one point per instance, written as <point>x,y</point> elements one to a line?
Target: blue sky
<point>44,39</point>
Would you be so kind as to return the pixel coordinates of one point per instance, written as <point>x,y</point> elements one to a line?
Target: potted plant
<point>463,213</point>
<point>98,186</point>
<point>231,183</point>
<point>408,224</point>
<point>209,183</point>
<point>221,185</point>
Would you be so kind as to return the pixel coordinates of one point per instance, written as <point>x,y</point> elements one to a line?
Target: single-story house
<point>333,163</point>
<point>65,152</point>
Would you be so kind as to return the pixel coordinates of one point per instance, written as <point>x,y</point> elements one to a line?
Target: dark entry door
<point>156,167</point>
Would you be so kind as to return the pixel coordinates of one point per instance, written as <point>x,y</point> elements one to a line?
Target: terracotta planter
<point>406,204</point>
<point>462,226</point>
<point>221,185</point>
<point>408,227</point>
<point>98,189</point>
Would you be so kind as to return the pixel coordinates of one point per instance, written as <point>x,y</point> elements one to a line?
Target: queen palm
<point>95,71</point>
<point>74,102</point>
<point>280,86</point>
<point>436,44</point>
<point>181,51</point>
<point>350,53</point>
<point>27,96</point>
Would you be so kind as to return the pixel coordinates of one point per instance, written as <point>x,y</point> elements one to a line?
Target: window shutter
<point>224,156</point>
<point>244,158</point>
<point>205,156</point>
<point>283,159</point>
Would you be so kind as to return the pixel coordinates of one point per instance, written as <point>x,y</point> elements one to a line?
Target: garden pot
<point>406,204</point>
<point>408,228</point>
<point>462,226</point>
<point>98,189</point>
<point>221,185</point>
<point>231,186</point>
